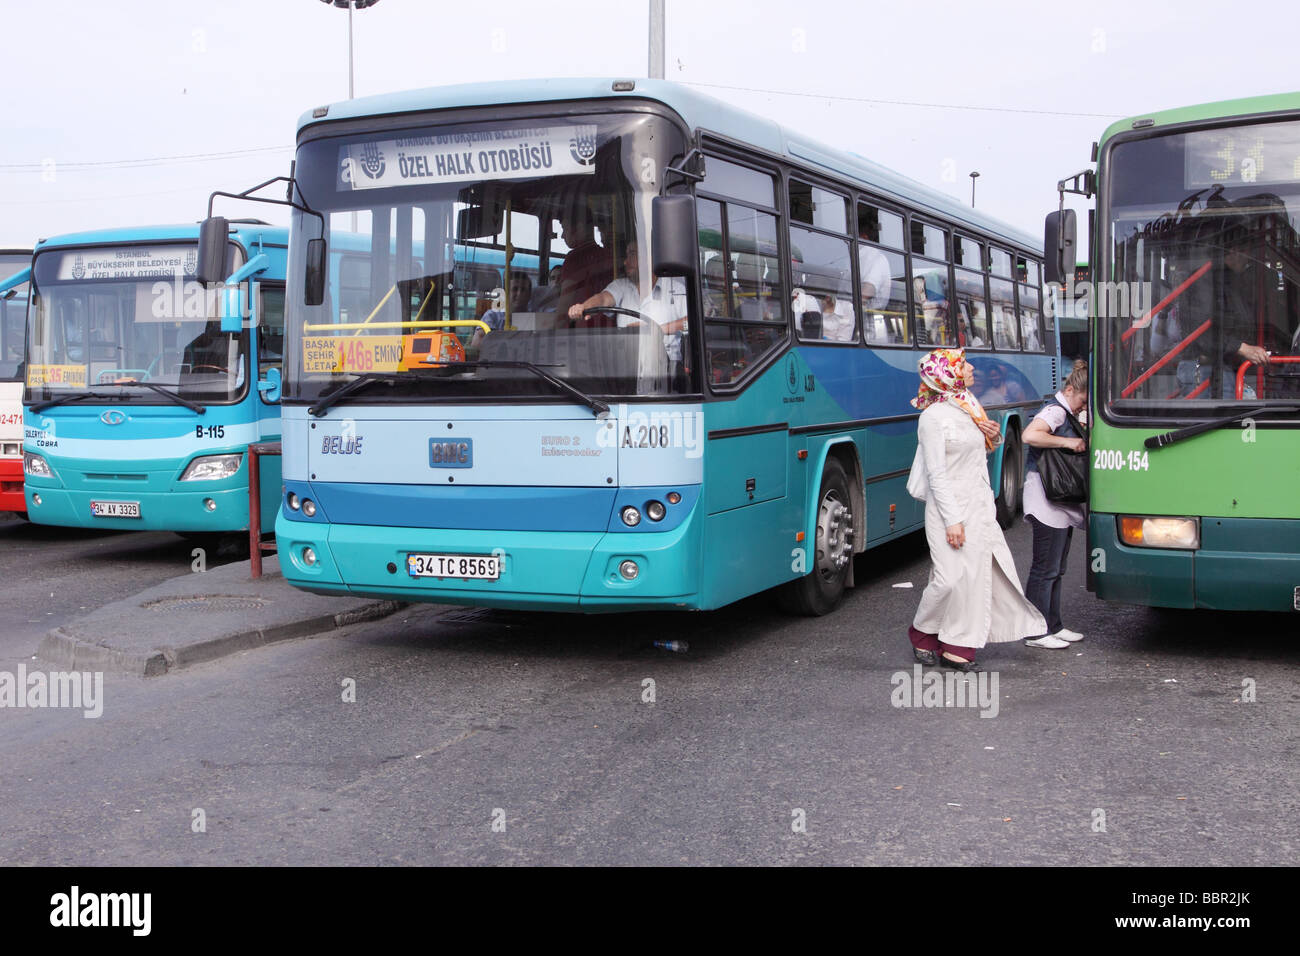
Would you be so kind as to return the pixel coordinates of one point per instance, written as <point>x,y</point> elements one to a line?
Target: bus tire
<point>1011,483</point>
<point>831,556</point>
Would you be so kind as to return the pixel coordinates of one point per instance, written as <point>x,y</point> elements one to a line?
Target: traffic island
<point>200,617</point>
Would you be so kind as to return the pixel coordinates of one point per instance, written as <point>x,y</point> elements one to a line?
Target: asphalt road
<point>493,737</point>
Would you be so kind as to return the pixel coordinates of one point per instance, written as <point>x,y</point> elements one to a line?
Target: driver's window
<point>270,330</point>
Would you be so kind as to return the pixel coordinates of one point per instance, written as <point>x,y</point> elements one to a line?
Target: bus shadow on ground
<point>18,530</point>
<point>626,635</point>
<point>1219,635</point>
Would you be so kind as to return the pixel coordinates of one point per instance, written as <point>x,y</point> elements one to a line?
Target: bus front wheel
<point>831,555</point>
<point>1012,480</point>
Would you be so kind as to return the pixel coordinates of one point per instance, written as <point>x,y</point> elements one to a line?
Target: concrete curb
<point>63,649</point>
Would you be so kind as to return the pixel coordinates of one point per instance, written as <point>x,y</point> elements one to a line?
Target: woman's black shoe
<point>928,658</point>
<point>966,667</point>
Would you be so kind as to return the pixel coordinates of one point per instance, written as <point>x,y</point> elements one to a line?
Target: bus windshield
<point>119,315</point>
<point>13,315</point>
<point>459,255</point>
<point>1202,306</point>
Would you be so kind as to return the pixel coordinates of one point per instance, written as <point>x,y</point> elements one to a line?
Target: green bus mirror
<point>1059,237</point>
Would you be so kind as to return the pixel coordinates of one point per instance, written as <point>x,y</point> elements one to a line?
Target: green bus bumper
<point>1243,564</point>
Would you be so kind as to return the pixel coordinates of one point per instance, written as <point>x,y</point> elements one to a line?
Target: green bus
<point>1195,395</point>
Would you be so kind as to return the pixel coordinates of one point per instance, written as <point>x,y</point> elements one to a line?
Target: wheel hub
<point>834,536</point>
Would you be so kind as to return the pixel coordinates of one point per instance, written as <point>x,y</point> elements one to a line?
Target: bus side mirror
<point>213,234</point>
<point>1059,232</point>
<point>314,279</point>
<point>673,236</point>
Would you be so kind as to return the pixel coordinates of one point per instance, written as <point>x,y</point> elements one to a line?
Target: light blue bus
<point>139,400</point>
<point>697,441</point>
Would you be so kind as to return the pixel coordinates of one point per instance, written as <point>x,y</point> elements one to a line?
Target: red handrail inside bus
<point>1165,359</point>
<point>1142,323</point>
<point>1272,360</point>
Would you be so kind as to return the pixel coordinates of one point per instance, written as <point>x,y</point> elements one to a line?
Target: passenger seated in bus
<point>754,302</point>
<point>546,296</point>
<point>715,288</point>
<point>835,318</point>
<point>587,268</point>
<point>933,326</point>
<point>1029,332</point>
<point>664,304</point>
<point>521,292</point>
<point>877,281</point>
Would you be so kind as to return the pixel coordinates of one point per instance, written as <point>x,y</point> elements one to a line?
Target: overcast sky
<point>102,97</point>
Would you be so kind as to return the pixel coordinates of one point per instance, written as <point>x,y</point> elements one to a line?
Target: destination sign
<point>68,376</point>
<point>326,354</point>
<point>1266,154</point>
<point>129,262</point>
<point>471,155</point>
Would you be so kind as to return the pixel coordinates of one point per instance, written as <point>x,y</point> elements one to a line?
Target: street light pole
<point>973,177</point>
<point>656,39</point>
<point>351,5</point>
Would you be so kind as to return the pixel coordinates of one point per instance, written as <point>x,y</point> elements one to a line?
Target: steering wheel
<point>213,368</point>
<point>640,316</point>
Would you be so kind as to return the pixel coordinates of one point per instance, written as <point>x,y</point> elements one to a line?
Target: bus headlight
<point>211,467</point>
<point>293,502</point>
<point>36,466</point>
<point>1142,532</point>
<point>631,517</point>
<point>654,510</point>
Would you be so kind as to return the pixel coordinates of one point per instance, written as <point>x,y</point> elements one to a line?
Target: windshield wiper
<point>596,405</point>
<point>1191,431</point>
<point>153,386</point>
<point>343,391</point>
<point>368,378</point>
<point>64,399</point>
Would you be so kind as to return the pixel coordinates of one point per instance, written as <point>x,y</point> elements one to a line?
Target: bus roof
<point>1247,106</point>
<point>700,111</point>
<point>243,232</point>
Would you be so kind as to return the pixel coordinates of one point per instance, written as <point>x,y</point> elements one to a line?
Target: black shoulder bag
<point>1065,473</point>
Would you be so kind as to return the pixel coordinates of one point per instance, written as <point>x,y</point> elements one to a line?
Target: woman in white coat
<point>973,596</point>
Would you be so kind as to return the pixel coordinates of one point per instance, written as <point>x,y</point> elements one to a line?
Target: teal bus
<point>1195,447</point>
<point>737,420</point>
<point>139,399</point>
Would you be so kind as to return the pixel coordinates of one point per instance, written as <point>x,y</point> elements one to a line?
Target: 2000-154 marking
<point>1108,460</point>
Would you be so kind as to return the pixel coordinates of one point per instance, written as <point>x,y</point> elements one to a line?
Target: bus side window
<point>270,330</point>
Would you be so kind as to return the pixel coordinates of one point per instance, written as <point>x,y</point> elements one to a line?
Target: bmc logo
<point>451,454</point>
<point>112,417</point>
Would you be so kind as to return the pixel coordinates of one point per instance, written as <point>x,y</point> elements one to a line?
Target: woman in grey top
<point>1053,521</point>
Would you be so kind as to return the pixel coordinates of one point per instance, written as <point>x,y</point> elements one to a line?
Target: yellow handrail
<point>344,326</point>
<point>380,305</point>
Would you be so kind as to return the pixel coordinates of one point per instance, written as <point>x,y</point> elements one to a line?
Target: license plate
<point>115,509</point>
<point>475,567</point>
